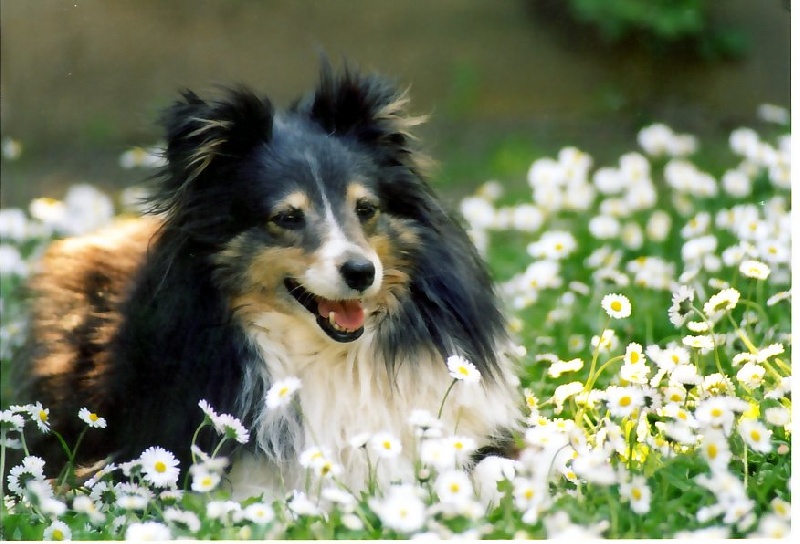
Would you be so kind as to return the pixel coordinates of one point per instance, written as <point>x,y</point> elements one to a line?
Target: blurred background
<point>504,82</point>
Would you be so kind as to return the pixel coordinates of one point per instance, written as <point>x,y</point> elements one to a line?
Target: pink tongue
<point>348,314</point>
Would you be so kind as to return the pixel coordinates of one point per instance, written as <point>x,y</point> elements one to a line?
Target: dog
<point>299,242</point>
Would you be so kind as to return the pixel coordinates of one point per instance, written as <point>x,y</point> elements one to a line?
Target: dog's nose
<point>358,274</point>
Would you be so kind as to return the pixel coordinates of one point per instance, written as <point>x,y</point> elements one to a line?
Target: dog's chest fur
<point>348,392</point>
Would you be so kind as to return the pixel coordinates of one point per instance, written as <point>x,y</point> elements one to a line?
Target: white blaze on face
<point>324,277</point>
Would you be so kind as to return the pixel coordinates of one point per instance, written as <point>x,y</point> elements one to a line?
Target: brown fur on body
<point>80,287</point>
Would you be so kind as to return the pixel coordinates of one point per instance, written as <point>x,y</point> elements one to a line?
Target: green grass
<point>589,460</point>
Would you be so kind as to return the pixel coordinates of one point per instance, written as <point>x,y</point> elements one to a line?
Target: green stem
<point>441,406</point>
<point>2,463</point>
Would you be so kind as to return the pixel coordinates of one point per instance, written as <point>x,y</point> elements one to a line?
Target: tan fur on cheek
<point>396,264</point>
<point>260,289</point>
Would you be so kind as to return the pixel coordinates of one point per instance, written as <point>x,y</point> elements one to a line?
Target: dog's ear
<point>199,132</point>
<point>364,106</point>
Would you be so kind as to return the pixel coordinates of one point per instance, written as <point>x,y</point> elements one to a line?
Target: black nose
<point>358,274</point>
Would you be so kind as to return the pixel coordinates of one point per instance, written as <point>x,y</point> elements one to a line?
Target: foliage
<point>660,24</point>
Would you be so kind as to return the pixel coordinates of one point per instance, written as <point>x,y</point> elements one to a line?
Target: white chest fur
<point>347,393</point>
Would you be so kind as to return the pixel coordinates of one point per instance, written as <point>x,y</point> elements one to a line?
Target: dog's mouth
<point>342,320</point>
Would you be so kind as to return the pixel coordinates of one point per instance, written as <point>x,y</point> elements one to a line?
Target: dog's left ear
<point>364,106</point>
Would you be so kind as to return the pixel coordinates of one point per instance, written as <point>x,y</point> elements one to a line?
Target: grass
<point>667,422</point>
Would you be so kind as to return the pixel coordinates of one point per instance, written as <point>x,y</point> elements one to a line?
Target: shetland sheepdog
<point>298,242</point>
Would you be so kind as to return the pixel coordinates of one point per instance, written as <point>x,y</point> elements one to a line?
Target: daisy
<point>718,412</point>
<point>756,434</point>
<point>281,392</point>
<point>561,367</point>
<point>638,493</point>
<point>40,416</point>
<point>461,369</point>
<point>84,504</point>
<point>10,421</point>
<point>400,509</point>
<point>633,354</point>
<point>454,486</point>
<point>160,467</point>
<point>462,447</point>
<point>58,530</point>
<point>606,342</point>
<point>722,302</point>
<point>148,530</point>
<point>681,308</point>
<point>624,401</point>
<point>186,519</point>
<point>92,419</point>
<point>754,269</point>
<point>616,306</point>
<point>768,352</point>
<point>230,427</point>
<point>260,513</point>
<point>203,479</point>
<point>386,445</point>
<point>751,375</point>
<point>703,342</point>
<point>438,454</point>
<point>528,493</point>
<point>715,449</point>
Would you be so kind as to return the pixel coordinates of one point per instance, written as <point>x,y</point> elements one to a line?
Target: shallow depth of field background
<point>504,82</point>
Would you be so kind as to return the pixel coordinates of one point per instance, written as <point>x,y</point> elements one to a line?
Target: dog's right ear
<point>200,133</point>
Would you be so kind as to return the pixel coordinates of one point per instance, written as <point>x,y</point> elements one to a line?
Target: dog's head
<point>320,212</point>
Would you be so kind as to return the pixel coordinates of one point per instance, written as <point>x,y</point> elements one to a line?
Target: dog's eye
<point>293,219</point>
<point>366,210</point>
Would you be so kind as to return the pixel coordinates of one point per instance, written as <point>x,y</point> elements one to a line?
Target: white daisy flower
<point>722,302</point>
<point>281,392</point>
<point>203,479</point>
<point>385,445</point>
<point>454,486</point>
<point>463,370</point>
<point>259,513</point>
<point>57,530</point>
<point>768,352</point>
<point>715,449</point>
<point>230,427</point>
<point>616,306</point>
<point>701,342</point>
<point>681,308</point>
<point>148,531</point>
<point>754,269</point>
<point>182,518</point>
<point>623,401</point>
<point>92,419</point>
<point>160,467</point>
<point>40,416</point>
<point>756,434</point>
<point>638,493</point>
<point>751,375</point>
<point>10,421</point>
<point>401,509</point>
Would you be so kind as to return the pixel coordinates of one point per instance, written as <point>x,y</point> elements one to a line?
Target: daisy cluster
<point>651,298</point>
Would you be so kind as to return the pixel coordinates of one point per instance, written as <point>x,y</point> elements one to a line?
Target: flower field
<point>650,299</point>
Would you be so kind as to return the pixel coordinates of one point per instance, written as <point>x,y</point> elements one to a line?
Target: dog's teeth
<point>332,318</point>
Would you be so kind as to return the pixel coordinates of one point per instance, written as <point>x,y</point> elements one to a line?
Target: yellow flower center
<point>387,445</point>
<point>716,412</point>
<point>206,482</point>
<point>755,435</point>
<point>625,401</point>
<point>528,494</point>
<point>454,487</point>
<point>712,451</point>
<point>93,416</point>
<point>463,371</point>
<point>58,534</point>
<point>160,466</point>
<point>283,391</point>
<point>559,246</point>
<point>616,305</point>
<point>43,417</point>
<point>636,493</point>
